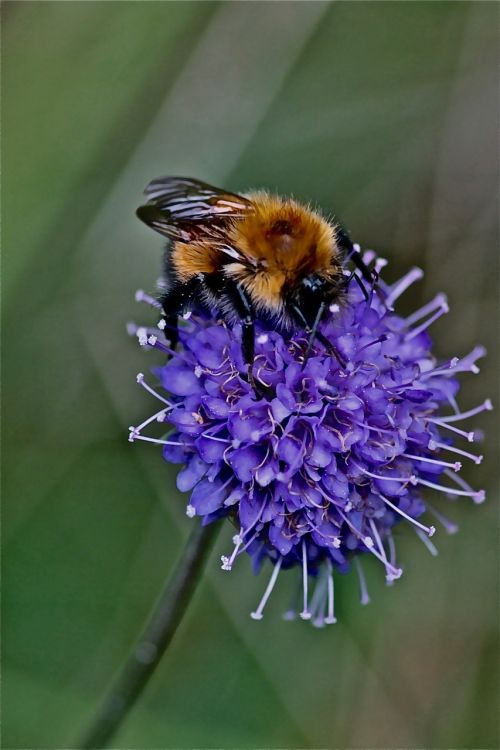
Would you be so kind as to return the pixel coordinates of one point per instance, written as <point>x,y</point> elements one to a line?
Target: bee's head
<point>314,291</point>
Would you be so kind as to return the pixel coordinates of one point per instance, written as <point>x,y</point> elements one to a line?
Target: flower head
<point>317,470</point>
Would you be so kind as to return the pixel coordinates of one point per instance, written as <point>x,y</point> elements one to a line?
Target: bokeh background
<point>385,113</point>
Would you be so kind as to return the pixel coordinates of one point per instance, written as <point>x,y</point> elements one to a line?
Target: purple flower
<point>318,473</point>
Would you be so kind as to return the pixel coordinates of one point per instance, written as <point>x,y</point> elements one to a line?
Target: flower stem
<point>154,640</point>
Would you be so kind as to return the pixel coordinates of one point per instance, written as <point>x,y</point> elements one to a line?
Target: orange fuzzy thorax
<point>279,242</point>
<point>282,242</point>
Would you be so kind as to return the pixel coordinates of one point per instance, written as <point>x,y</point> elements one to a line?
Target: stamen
<point>141,381</point>
<point>158,417</point>
<point>330,618</point>
<point>440,369</point>
<point>429,530</point>
<point>402,285</point>
<point>438,301</point>
<point>462,433</point>
<point>219,440</point>
<point>430,546</point>
<point>305,614</point>
<point>455,466</point>
<point>449,526</point>
<point>391,571</point>
<point>363,590</point>
<point>368,542</point>
<point>227,562</point>
<point>373,428</point>
<point>291,612</point>
<point>257,615</point>
<point>318,602</point>
<point>392,556</point>
<point>486,406</point>
<point>478,496</point>
<point>141,296</point>
<point>468,363</point>
<point>190,511</point>
<point>132,437</point>
<point>419,329</point>
<point>412,479</point>
<point>433,445</point>
<point>388,566</point>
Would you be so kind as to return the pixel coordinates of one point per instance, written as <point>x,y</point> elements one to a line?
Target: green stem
<point>154,640</point>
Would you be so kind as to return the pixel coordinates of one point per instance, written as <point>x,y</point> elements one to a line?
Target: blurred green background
<point>385,113</point>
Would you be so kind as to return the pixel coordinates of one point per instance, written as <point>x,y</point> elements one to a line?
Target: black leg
<point>234,296</point>
<point>354,275</point>
<point>244,310</point>
<point>345,244</point>
<point>314,333</point>
<point>369,276</point>
<point>174,302</point>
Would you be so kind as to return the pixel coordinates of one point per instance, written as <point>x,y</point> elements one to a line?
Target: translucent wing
<point>190,210</point>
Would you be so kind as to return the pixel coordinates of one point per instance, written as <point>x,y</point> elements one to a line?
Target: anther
<point>162,324</point>
<point>190,511</point>
<point>227,562</point>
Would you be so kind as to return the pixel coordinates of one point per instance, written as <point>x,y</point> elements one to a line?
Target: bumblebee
<point>250,257</point>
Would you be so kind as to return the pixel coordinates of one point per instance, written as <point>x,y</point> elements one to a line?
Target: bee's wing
<point>189,210</point>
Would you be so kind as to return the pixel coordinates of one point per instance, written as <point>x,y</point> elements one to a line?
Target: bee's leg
<point>354,275</point>
<point>243,307</point>
<point>369,275</point>
<point>346,245</point>
<point>236,300</point>
<point>314,333</point>
<point>174,302</point>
